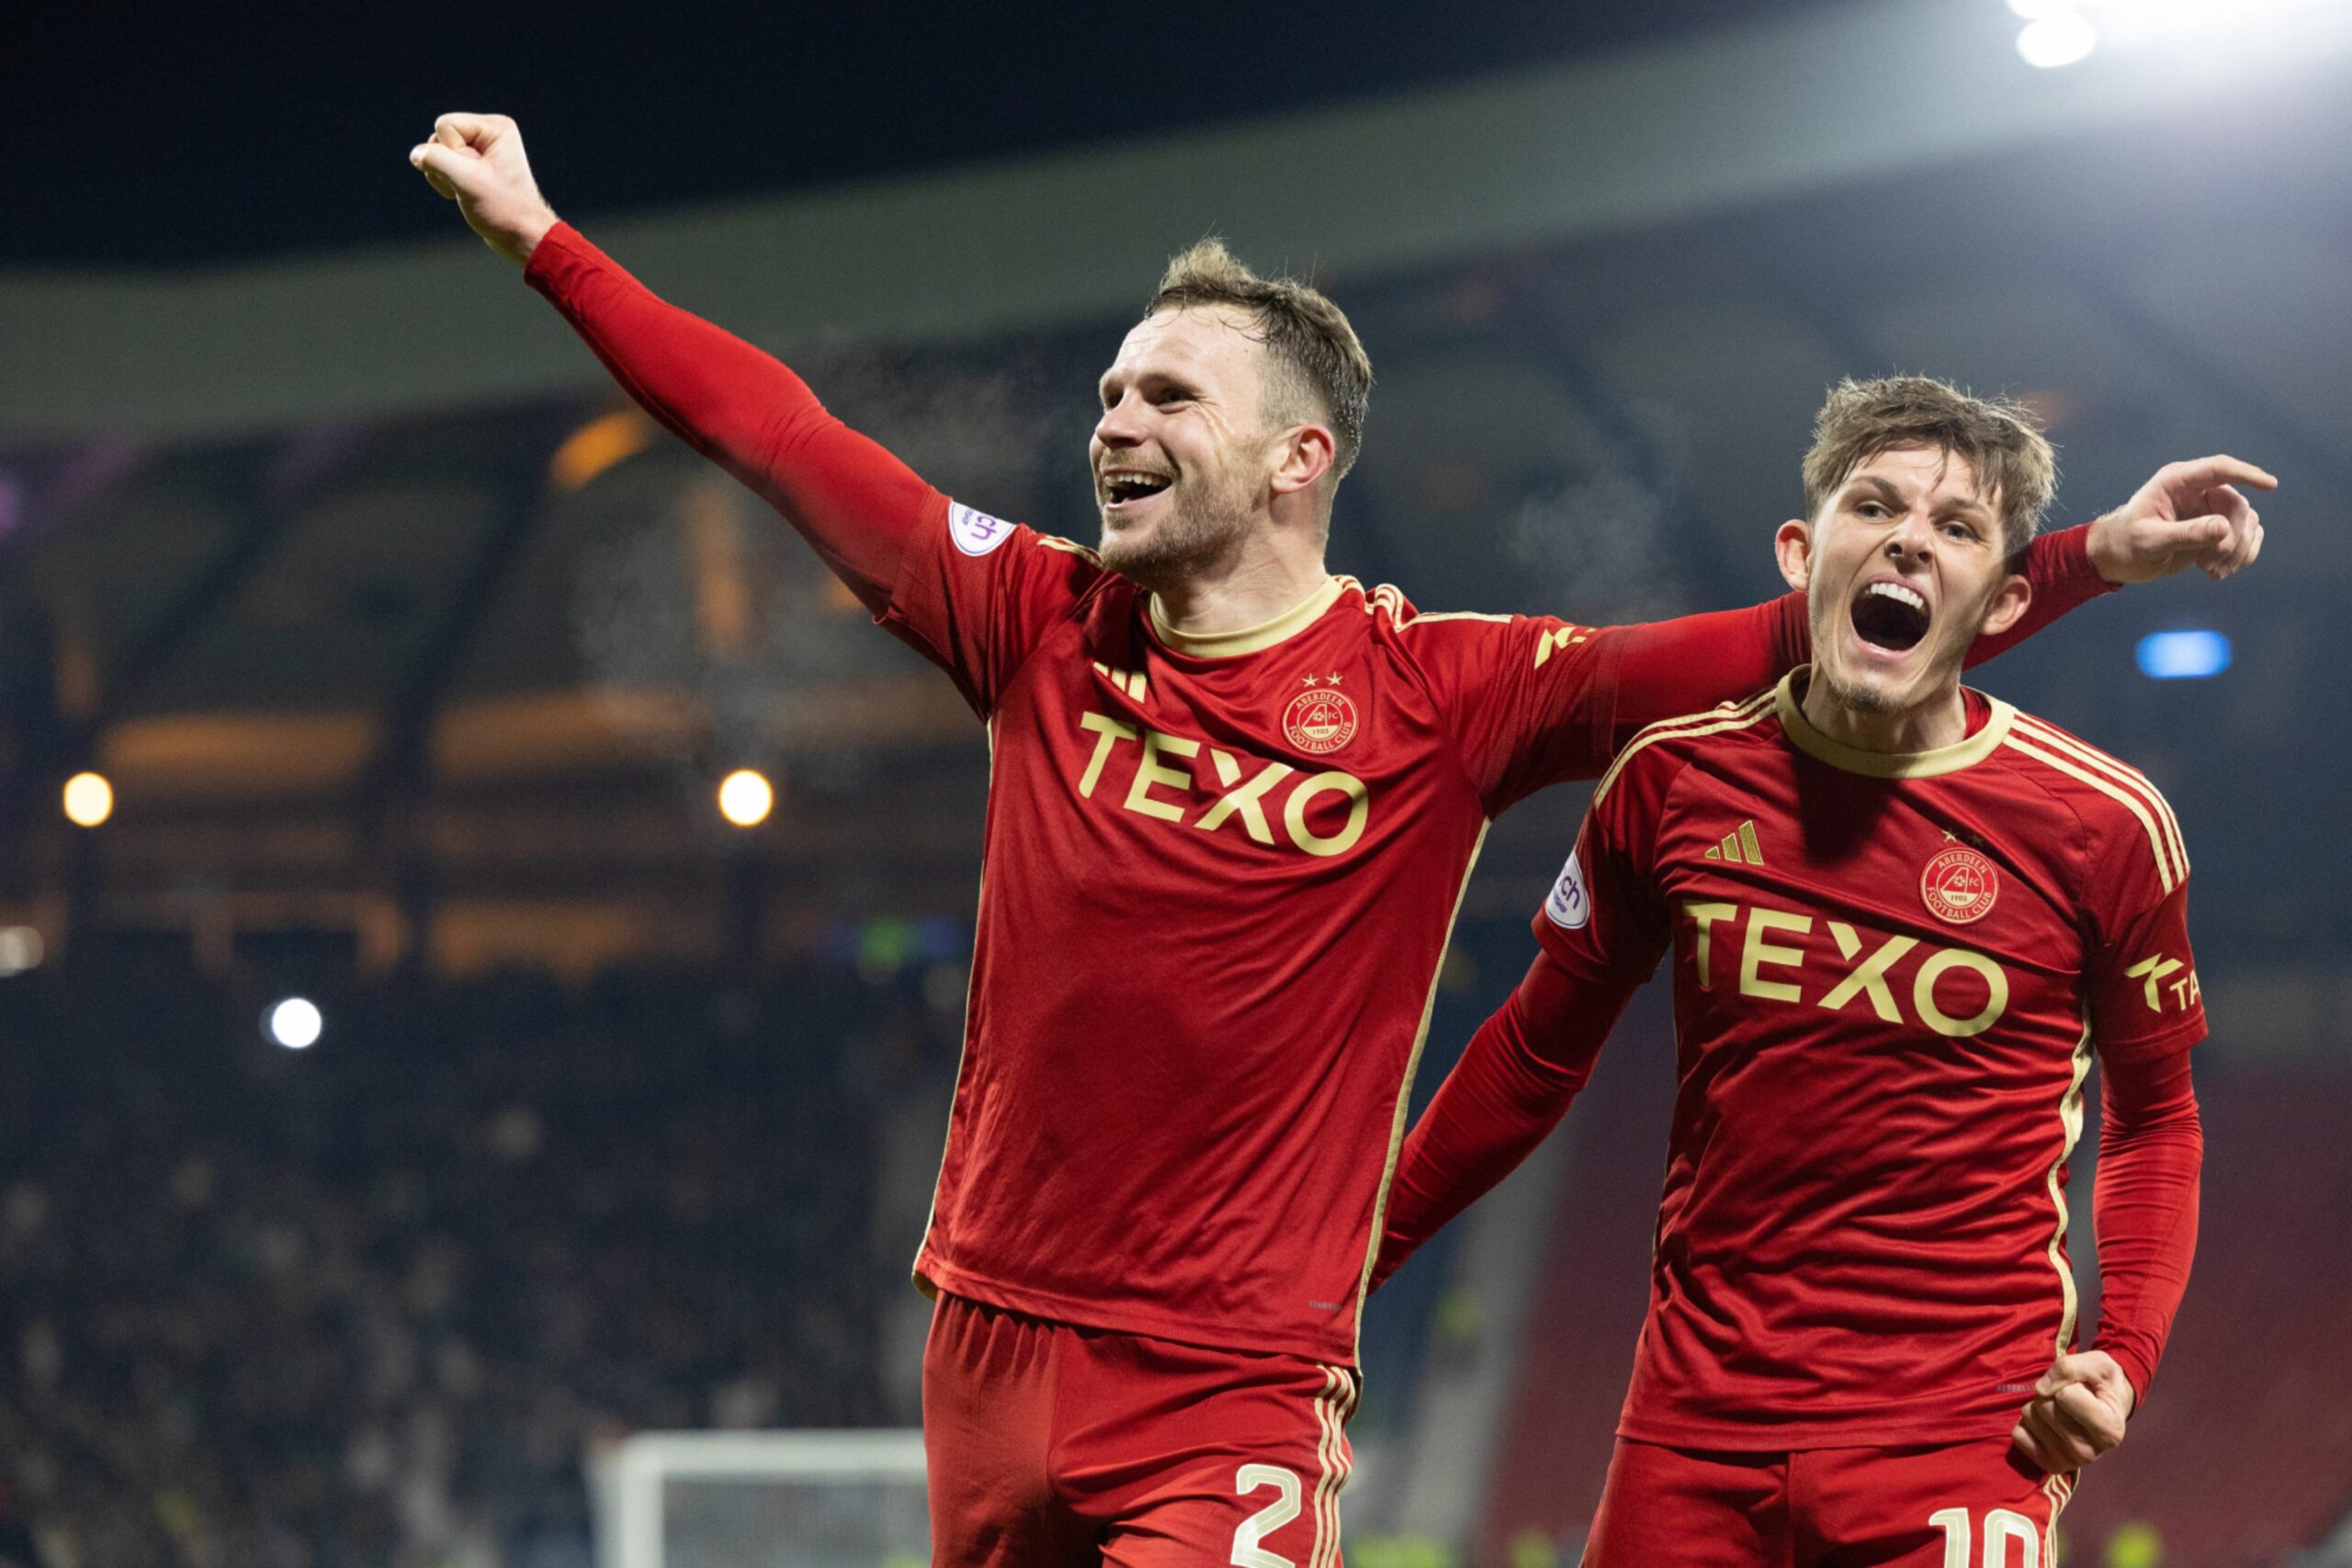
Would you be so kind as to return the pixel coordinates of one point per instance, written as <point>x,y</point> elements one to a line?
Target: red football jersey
<point>1889,974</point>
<point>1220,872</point>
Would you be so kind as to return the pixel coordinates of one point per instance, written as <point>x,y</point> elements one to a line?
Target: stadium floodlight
<point>2183,655</point>
<point>2060,39</point>
<point>295,1023</point>
<point>20,949</point>
<point>89,800</point>
<point>745,797</point>
<point>778,1499</point>
<point>597,446</point>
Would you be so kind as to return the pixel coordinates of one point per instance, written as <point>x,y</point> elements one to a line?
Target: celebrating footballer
<point>1234,801</point>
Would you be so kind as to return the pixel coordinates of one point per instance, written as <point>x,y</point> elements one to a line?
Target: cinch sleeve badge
<point>975,533</point>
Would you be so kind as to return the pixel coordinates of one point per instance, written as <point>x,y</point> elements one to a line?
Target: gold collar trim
<point>1249,639</point>
<point>1885,764</point>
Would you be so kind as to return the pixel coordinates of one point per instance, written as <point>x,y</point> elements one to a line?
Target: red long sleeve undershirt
<point>2143,1206</point>
<point>745,410</point>
<point>858,505</point>
<point>1528,1062</point>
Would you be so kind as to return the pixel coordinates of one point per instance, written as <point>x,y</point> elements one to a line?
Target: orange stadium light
<point>89,800</point>
<point>745,797</point>
<point>597,446</point>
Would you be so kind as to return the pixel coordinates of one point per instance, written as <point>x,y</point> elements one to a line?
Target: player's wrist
<point>519,241</point>
<point>2109,550</point>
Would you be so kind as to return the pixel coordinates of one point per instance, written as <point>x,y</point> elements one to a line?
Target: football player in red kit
<point>1900,917</point>
<point>1234,801</point>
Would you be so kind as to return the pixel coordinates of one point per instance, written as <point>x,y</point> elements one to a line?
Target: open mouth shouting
<point>1121,486</point>
<point>1889,615</point>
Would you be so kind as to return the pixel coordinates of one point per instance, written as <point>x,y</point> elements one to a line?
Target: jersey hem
<point>1790,1437</point>
<point>2186,1036</point>
<point>1332,1351</point>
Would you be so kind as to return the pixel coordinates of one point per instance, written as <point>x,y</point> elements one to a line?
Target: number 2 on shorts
<point>1247,1552</point>
<point>2002,1526</point>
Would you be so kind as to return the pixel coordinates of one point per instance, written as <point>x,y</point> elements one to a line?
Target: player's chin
<point>1131,546</point>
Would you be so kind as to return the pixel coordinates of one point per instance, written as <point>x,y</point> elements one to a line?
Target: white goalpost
<point>806,1499</point>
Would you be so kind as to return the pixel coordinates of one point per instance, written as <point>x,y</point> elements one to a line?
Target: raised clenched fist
<point>476,160</point>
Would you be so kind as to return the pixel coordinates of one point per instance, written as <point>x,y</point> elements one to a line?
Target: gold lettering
<point>1110,732</point>
<point>1150,773</point>
<point>1923,993</point>
<point>1706,914</point>
<point>1871,977</point>
<point>1245,800</point>
<point>2153,970</point>
<point>1549,643</point>
<point>2184,992</point>
<point>1756,951</point>
<point>1340,842</point>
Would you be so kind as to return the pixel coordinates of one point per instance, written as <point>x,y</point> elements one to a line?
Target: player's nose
<point>1121,423</point>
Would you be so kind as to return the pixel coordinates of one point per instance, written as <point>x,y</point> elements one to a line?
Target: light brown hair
<point>1319,370</point>
<point>2017,469</point>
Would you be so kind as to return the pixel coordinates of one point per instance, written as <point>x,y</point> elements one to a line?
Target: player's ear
<point>1793,547</point>
<point>1306,455</point>
<point>2009,603</point>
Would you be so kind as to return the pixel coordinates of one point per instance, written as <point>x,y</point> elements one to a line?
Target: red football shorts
<point>1979,1504</point>
<point>1049,1445</point>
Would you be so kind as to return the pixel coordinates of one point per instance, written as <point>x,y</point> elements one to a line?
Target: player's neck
<point>1261,581</point>
<point>1929,724</point>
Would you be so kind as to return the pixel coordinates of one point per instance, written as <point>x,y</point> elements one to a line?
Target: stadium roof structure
<point>370,593</point>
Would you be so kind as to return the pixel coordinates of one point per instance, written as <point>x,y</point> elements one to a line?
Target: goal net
<point>804,1499</point>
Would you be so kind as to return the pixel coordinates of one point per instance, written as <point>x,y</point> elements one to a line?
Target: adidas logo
<point>1740,847</point>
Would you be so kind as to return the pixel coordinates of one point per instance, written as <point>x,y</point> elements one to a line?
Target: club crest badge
<point>1320,719</point>
<point>1960,885</point>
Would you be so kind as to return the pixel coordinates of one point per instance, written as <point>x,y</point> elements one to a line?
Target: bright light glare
<point>89,800</point>
<point>20,949</point>
<point>2056,41</point>
<point>745,798</point>
<point>2034,10</point>
<point>2183,656</point>
<point>295,1023</point>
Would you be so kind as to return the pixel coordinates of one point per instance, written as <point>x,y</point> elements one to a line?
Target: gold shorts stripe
<point>2123,774</point>
<point>1322,1466</point>
<point>2166,875</point>
<point>2058,1489</point>
<point>1696,724</point>
<point>1332,1463</point>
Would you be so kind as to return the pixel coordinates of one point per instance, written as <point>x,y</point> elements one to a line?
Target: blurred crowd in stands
<point>376,1303</point>
<point>371,1302</point>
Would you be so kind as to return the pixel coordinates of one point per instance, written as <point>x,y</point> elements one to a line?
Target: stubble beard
<point>1203,526</point>
<point>1853,696</point>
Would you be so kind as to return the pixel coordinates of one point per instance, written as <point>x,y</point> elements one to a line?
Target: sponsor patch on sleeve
<point>975,533</point>
<point>1569,906</point>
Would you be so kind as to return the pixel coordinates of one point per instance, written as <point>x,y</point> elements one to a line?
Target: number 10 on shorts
<point>2002,1526</point>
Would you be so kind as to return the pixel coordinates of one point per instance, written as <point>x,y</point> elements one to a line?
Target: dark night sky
<point>146,134</point>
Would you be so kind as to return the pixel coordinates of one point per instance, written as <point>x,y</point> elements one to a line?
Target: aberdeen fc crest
<point>1320,719</point>
<point>1960,885</point>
